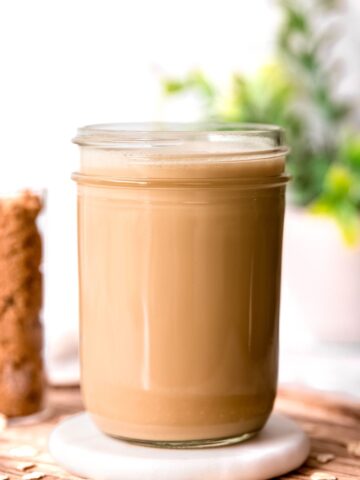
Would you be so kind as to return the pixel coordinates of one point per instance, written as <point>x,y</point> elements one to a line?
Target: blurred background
<point>294,63</point>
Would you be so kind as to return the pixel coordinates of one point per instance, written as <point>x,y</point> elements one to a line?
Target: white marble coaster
<point>82,449</point>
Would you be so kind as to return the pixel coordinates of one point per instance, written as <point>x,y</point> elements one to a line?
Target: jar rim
<point>217,137</point>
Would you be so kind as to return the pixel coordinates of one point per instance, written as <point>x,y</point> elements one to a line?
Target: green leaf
<point>338,200</point>
<point>197,80</point>
<point>294,17</point>
<point>350,151</point>
<point>172,86</point>
<point>338,182</point>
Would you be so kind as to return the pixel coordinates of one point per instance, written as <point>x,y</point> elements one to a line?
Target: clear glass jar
<point>180,239</point>
<point>22,383</point>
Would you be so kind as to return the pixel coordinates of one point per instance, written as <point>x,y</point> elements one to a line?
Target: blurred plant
<point>340,196</point>
<point>296,92</point>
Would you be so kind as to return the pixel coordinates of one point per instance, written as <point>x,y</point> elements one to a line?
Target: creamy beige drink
<point>180,258</point>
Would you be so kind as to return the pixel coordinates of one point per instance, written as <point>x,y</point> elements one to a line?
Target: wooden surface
<point>332,423</point>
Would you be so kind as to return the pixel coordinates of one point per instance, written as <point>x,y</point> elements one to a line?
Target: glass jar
<point>22,381</point>
<point>180,239</point>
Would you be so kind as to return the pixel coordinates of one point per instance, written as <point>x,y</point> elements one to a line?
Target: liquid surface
<point>179,298</point>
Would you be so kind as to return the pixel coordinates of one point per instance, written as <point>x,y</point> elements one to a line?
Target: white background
<point>64,64</point>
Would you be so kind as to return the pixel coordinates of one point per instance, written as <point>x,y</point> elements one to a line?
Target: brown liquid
<point>179,294</point>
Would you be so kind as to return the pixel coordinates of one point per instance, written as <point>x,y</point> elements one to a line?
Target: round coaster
<point>82,449</point>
